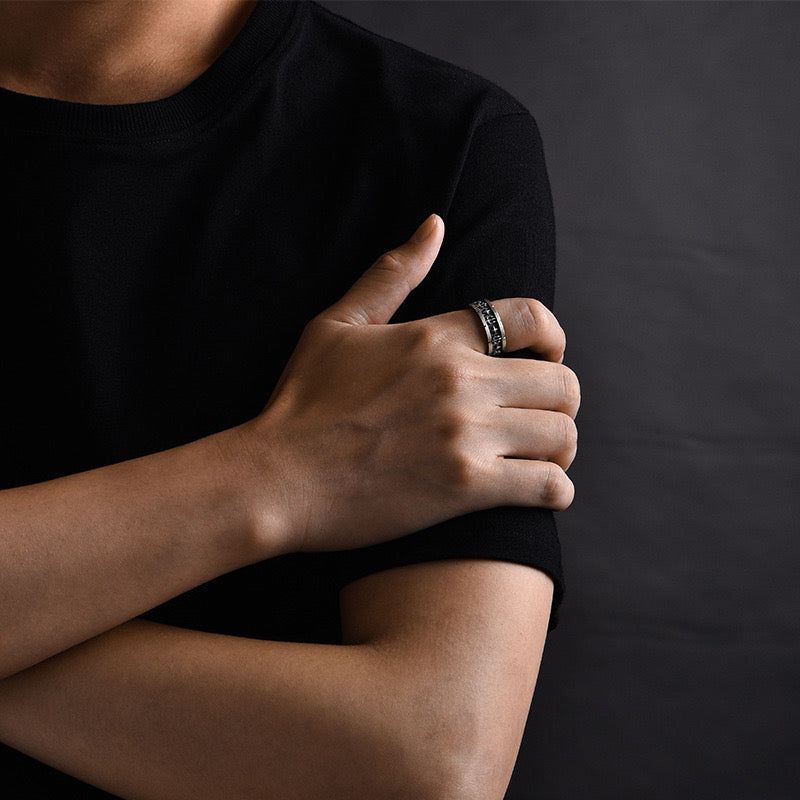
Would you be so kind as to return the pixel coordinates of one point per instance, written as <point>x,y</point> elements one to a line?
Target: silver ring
<point>492,326</point>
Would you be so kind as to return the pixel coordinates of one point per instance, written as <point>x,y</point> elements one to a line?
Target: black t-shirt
<point>161,260</point>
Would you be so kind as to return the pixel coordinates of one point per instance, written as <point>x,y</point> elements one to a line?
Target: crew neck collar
<point>257,42</point>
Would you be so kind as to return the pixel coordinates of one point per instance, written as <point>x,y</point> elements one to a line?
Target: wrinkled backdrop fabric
<point>672,133</point>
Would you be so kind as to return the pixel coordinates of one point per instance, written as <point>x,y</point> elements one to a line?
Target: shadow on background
<point>671,132</point>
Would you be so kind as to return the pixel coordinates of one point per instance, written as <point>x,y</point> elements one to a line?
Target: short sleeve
<point>499,242</point>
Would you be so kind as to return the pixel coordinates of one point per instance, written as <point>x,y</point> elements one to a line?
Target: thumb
<point>380,291</point>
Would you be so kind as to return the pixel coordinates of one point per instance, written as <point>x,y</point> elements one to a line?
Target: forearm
<point>428,700</point>
<point>221,717</point>
<point>84,553</point>
<point>370,434</point>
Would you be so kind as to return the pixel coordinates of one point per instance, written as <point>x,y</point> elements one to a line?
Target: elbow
<point>465,760</point>
<point>480,775</point>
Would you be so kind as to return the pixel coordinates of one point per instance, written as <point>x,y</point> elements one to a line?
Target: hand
<point>378,430</point>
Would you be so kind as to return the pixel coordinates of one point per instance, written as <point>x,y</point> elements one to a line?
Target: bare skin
<point>437,430</point>
<point>452,647</point>
<point>434,680</point>
<point>427,699</point>
<point>105,51</point>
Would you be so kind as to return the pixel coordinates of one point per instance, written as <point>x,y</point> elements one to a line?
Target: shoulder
<point>392,78</point>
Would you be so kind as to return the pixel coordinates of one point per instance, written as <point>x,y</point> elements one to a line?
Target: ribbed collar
<point>257,42</point>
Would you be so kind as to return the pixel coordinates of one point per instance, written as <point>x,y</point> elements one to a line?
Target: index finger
<point>528,324</point>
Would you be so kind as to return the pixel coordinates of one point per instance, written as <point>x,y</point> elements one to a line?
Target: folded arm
<point>427,698</point>
<point>370,434</point>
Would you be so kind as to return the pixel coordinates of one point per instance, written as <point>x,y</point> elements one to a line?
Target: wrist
<point>256,486</point>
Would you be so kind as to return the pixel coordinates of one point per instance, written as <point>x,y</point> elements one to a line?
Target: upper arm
<point>462,641</point>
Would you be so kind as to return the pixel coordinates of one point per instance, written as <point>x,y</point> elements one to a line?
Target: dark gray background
<point>672,135</point>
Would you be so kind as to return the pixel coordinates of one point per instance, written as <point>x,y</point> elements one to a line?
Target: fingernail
<point>425,230</point>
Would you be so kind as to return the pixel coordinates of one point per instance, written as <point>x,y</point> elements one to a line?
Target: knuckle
<point>527,318</point>
<point>535,323</point>
<point>315,325</point>
<point>391,266</point>
<point>456,443</point>
<point>569,442</point>
<point>426,340</point>
<point>571,390</point>
<point>462,469</point>
<point>560,338</point>
<point>449,380</point>
<point>317,331</point>
<point>451,427</point>
<point>568,495</point>
<point>549,330</point>
<point>537,309</point>
<point>554,337</point>
<point>569,433</point>
<point>556,488</point>
<point>392,261</point>
<point>549,489</point>
<point>440,373</point>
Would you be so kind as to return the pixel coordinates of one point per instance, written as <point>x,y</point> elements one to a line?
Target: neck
<point>113,51</point>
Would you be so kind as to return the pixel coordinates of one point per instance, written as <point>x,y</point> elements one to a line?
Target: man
<point>194,182</point>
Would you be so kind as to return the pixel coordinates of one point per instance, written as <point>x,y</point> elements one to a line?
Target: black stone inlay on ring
<point>491,325</point>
